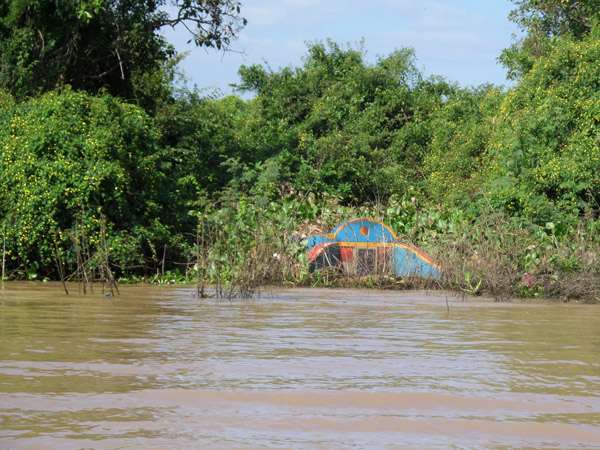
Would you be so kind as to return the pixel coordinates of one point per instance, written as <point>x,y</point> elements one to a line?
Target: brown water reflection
<point>303,369</point>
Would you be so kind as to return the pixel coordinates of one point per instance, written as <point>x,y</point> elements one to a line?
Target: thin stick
<point>87,256</point>
<point>120,64</point>
<point>107,273</point>
<point>59,264</point>
<point>3,252</point>
<point>80,263</point>
<point>198,262</point>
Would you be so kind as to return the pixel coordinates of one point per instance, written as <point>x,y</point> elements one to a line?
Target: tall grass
<point>240,248</point>
<point>506,257</point>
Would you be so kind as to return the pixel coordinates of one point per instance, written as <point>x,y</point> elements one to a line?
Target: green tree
<point>343,126</point>
<point>541,21</point>
<point>461,130</point>
<point>201,136</point>
<point>94,44</point>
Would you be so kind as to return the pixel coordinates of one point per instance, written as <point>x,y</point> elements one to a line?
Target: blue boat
<point>363,247</point>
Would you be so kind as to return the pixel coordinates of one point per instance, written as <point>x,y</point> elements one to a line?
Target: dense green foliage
<point>542,21</point>
<point>500,184</point>
<point>342,126</point>
<point>543,160</point>
<point>69,156</point>
<point>93,44</point>
<point>463,127</point>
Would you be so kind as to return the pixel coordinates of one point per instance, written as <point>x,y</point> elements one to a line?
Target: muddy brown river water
<point>157,368</point>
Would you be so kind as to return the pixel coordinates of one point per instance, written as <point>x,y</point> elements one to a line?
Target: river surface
<point>156,367</point>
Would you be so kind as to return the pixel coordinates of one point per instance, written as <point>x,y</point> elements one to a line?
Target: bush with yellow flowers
<point>70,160</point>
<point>544,157</point>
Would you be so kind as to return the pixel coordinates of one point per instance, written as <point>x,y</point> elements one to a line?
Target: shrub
<point>70,157</point>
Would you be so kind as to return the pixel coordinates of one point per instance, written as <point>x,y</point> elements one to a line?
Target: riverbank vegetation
<point>110,170</point>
